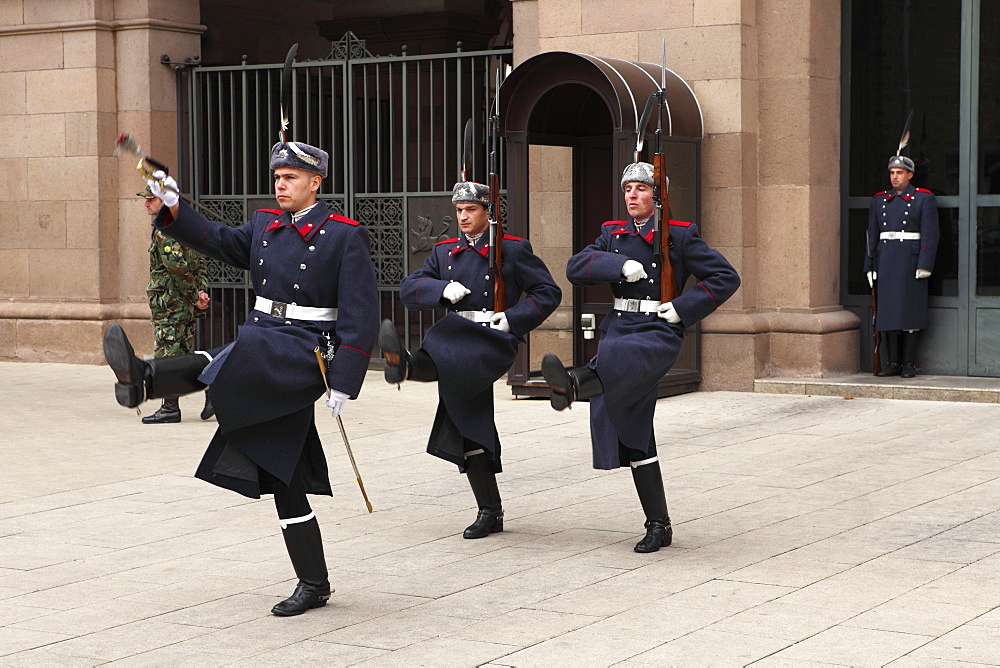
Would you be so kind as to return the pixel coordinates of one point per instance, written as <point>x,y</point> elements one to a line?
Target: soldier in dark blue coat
<point>315,284</point>
<point>640,339</point>
<point>902,245</point>
<point>472,346</point>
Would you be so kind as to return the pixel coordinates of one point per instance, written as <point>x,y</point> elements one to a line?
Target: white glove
<point>336,402</point>
<point>633,271</point>
<point>668,312</point>
<point>169,193</point>
<point>923,273</point>
<point>872,277</point>
<point>455,291</point>
<point>499,321</point>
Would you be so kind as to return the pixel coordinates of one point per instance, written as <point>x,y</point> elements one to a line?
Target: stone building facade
<point>767,74</point>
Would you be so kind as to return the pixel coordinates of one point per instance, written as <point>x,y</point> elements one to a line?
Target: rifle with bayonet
<point>495,249</point>
<point>661,195</point>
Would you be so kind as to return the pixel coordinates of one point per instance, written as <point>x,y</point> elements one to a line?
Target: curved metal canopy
<point>529,102</point>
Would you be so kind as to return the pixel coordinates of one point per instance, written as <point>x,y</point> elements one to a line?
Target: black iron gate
<point>393,127</point>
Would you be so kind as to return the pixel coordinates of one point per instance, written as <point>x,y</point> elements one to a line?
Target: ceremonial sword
<point>340,423</point>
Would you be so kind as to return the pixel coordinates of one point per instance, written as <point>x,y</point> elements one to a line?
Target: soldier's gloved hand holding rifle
<point>632,271</point>
<point>873,276</point>
<point>922,273</point>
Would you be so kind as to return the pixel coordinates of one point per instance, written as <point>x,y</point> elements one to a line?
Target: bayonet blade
<point>286,89</point>
<point>904,138</point>
<point>467,149</point>
<point>643,122</point>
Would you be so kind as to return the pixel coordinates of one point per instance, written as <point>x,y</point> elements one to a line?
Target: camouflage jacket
<point>176,274</point>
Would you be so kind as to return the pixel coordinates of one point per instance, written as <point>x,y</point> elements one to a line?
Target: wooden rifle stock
<point>668,286</point>
<point>876,337</point>
<point>499,287</point>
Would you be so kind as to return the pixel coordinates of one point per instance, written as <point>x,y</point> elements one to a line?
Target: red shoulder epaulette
<point>615,222</point>
<point>924,190</point>
<point>343,219</point>
<point>680,223</point>
<point>447,241</point>
<point>274,211</point>
<point>881,193</point>
<point>511,237</point>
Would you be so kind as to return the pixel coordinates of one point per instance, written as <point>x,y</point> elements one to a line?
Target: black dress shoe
<point>908,370</point>
<point>658,534</point>
<point>306,597</point>
<point>393,352</point>
<point>890,369</point>
<point>487,522</point>
<point>168,413</point>
<point>129,369</point>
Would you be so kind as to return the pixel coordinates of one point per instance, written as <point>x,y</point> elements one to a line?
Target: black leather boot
<point>169,412</point>
<point>909,346</point>
<point>400,363</point>
<point>483,481</point>
<point>569,385</point>
<point>649,485</point>
<point>891,368</point>
<point>208,411</point>
<point>130,390</point>
<point>161,378</point>
<point>305,548</point>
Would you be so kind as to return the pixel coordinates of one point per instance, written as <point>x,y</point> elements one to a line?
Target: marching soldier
<point>472,346</point>
<point>315,284</point>
<point>176,292</point>
<point>902,241</point>
<point>640,339</point>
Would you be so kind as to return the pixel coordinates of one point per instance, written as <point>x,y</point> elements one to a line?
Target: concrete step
<point>926,388</point>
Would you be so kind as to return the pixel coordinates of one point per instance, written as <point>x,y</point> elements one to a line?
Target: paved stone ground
<point>808,531</point>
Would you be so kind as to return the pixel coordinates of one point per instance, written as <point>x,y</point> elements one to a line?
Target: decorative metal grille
<point>348,47</point>
<point>383,216</point>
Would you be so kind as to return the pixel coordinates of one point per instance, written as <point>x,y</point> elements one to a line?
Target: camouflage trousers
<point>174,336</point>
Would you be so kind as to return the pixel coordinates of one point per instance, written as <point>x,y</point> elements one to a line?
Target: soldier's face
<point>639,200</point>
<point>900,178</point>
<point>472,218</point>
<point>153,205</point>
<point>294,188</point>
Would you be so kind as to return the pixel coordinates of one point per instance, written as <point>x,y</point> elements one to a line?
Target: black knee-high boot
<point>649,485</point>
<point>569,385</point>
<point>400,363</point>
<point>483,481</point>
<point>138,380</point>
<point>890,348</point>
<point>305,548</point>
<point>909,356</point>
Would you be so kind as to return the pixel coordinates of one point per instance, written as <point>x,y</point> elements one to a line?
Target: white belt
<point>899,235</point>
<point>475,316</point>
<point>636,305</point>
<point>283,310</point>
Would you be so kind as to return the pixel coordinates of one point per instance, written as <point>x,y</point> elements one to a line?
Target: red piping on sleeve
<point>535,305</point>
<point>355,349</point>
<point>709,295</point>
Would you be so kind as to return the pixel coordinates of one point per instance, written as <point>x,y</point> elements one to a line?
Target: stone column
<point>73,236</point>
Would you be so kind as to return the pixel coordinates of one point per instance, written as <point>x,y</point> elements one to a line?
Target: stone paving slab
<point>809,530</point>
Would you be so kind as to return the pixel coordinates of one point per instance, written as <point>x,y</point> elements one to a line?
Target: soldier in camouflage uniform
<point>178,279</point>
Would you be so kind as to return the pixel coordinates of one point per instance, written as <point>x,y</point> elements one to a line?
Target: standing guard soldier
<point>472,346</point>
<point>640,339</point>
<point>902,241</point>
<point>178,279</point>
<point>315,284</point>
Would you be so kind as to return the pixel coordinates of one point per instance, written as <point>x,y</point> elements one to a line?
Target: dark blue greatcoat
<point>469,356</point>
<point>637,349</point>
<point>265,385</point>
<point>902,298</point>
